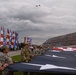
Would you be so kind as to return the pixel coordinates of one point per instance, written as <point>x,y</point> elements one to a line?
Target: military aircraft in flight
<point>38,5</point>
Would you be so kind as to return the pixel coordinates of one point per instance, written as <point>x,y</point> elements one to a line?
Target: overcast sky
<point>52,18</point>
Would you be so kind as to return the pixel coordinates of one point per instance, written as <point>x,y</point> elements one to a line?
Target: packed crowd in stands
<point>64,40</point>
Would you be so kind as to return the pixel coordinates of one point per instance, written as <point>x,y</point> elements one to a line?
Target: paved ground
<point>12,53</point>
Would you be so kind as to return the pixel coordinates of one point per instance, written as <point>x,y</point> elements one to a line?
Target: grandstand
<point>64,40</point>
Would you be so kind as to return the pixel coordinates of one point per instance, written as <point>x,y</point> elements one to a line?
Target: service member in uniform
<point>6,59</point>
<point>25,53</point>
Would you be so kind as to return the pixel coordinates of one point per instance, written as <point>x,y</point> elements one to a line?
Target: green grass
<point>18,73</point>
<point>16,58</point>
